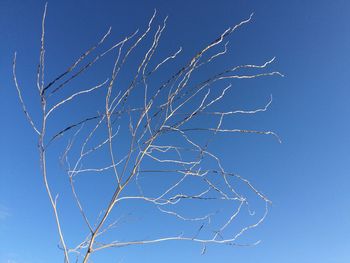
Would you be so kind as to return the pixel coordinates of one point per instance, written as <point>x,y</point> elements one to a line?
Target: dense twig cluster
<point>163,135</point>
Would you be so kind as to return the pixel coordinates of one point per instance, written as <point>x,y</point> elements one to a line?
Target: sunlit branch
<point>153,138</point>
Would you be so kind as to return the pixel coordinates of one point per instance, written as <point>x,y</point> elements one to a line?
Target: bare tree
<point>152,139</point>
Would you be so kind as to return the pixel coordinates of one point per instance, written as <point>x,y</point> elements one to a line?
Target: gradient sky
<point>306,177</point>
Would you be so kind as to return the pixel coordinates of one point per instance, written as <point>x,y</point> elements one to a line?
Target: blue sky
<point>306,177</point>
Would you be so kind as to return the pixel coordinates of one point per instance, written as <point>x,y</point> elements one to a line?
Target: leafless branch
<point>152,131</point>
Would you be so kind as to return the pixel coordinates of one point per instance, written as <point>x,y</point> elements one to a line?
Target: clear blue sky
<point>306,177</point>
